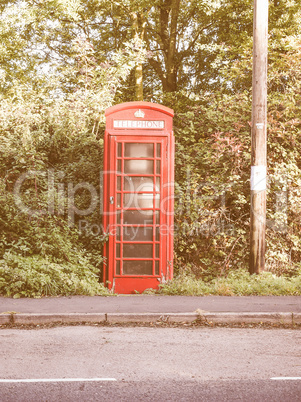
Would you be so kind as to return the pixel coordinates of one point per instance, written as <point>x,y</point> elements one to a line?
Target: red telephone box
<point>138,196</point>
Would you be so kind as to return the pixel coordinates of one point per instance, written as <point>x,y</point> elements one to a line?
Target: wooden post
<point>259,130</point>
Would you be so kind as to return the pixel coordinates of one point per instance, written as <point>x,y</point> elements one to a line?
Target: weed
<point>238,282</point>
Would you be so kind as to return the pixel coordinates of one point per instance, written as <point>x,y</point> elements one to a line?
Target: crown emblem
<point>139,113</point>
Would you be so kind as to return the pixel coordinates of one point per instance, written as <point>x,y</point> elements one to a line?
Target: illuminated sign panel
<point>144,124</point>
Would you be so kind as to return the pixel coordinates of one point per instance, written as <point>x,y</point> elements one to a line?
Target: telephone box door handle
<point>111,200</point>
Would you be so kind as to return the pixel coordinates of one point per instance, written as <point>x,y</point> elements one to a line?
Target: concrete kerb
<point>5,318</point>
<point>151,317</point>
<point>218,318</point>
<point>296,318</point>
<point>115,318</point>
<point>232,318</point>
<point>66,318</point>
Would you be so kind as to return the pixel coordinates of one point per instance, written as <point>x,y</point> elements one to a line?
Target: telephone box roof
<point>139,105</point>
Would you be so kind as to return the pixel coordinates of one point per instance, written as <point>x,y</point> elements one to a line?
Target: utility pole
<point>259,137</point>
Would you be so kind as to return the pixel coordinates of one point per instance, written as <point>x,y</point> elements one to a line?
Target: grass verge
<point>239,283</point>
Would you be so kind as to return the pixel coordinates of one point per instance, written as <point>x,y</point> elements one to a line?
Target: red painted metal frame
<point>114,136</point>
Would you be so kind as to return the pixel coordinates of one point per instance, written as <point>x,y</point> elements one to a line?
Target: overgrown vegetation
<point>237,283</point>
<point>50,165</point>
<point>213,205</point>
<point>36,277</point>
<point>57,78</point>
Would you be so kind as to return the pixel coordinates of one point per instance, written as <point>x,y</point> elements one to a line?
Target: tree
<point>192,46</point>
<point>50,154</point>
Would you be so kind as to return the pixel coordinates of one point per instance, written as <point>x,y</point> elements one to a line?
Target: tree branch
<point>186,52</point>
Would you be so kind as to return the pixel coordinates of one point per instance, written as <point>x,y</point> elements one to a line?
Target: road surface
<point>86,363</point>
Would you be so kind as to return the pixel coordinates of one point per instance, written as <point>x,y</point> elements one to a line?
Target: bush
<point>37,276</point>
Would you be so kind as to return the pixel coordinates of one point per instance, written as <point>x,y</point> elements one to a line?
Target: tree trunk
<point>138,31</point>
<point>169,14</point>
<point>171,67</point>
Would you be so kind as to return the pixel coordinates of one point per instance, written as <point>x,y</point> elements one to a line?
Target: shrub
<point>36,276</point>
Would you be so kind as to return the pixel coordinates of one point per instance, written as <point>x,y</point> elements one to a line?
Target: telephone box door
<point>137,193</point>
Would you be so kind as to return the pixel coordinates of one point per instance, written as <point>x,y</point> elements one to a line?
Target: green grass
<point>239,283</point>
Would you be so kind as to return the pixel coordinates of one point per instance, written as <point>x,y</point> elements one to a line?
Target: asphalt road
<point>150,364</point>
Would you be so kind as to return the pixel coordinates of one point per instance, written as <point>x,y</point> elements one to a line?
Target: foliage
<point>193,46</point>
<point>212,198</point>
<point>238,282</point>
<point>37,276</point>
<point>50,167</point>
<point>62,64</point>
<point>213,169</point>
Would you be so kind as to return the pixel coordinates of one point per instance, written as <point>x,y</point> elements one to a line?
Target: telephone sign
<point>138,196</point>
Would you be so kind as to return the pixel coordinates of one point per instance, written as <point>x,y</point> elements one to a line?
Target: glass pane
<point>119,150</point>
<point>157,217</point>
<point>119,165</point>
<point>118,233</point>
<point>131,233</point>
<point>138,217</point>
<point>118,200</point>
<point>117,250</point>
<point>157,250</point>
<point>137,267</point>
<point>157,234</point>
<point>157,272</point>
<point>158,167</point>
<point>137,251</point>
<point>158,150</point>
<point>118,183</point>
<point>138,150</point>
<point>118,218</point>
<point>157,183</point>
<point>138,200</point>
<point>117,267</point>
<point>141,166</point>
<point>140,183</point>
